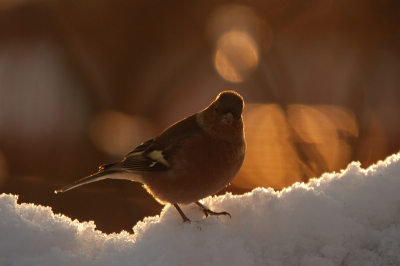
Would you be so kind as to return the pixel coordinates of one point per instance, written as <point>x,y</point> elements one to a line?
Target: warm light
<point>271,160</point>
<point>287,147</point>
<point>236,56</point>
<point>117,133</point>
<point>326,127</point>
<point>373,143</point>
<point>239,35</point>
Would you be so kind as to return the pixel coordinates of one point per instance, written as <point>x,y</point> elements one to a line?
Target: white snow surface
<point>347,218</point>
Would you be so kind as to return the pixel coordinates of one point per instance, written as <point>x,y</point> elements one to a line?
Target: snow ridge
<point>347,218</point>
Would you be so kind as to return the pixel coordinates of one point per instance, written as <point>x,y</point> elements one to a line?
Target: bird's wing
<point>139,160</point>
<point>157,154</point>
<point>153,155</point>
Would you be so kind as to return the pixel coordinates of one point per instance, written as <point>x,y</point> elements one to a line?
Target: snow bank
<point>347,218</point>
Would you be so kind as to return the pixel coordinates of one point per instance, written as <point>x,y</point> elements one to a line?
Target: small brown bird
<point>190,160</point>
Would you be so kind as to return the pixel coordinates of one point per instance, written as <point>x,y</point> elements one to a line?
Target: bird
<point>190,160</point>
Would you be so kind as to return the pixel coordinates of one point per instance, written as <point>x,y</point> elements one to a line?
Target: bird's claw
<point>207,211</point>
<point>210,212</point>
<point>186,220</point>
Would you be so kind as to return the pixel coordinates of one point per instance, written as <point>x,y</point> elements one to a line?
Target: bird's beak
<point>227,118</point>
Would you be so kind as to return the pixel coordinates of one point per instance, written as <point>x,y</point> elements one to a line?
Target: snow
<point>347,218</point>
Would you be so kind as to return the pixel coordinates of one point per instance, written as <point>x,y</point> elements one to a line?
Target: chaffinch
<point>192,159</point>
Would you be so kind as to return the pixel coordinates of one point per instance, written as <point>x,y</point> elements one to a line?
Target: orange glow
<point>373,145</point>
<point>239,36</point>
<point>321,125</point>
<point>270,160</point>
<point>236,56</point>
<point>286,148</point>
<point>117,133</point>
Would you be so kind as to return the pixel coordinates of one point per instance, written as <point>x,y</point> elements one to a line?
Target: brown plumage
<point>190,160</point>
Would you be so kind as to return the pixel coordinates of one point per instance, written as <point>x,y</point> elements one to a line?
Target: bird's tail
<point>89,179</point>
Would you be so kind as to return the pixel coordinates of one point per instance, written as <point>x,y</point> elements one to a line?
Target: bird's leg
<point>207,211</point>
<point>185,219</point>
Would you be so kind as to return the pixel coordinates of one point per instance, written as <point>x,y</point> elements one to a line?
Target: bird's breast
<point>212,164</point>
<point>200,167</point>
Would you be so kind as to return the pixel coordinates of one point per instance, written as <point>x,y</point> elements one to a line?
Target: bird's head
<point>228,107</point>
<point>224,115</point>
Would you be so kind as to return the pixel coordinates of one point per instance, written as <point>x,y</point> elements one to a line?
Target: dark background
<point>83,82</point>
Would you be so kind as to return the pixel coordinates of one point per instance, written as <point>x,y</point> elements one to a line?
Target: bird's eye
<point>216,109</point>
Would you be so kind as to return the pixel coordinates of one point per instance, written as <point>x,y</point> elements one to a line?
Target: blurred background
<point>83,82</point>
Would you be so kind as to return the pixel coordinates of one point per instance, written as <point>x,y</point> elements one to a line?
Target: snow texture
<point>347,218</point>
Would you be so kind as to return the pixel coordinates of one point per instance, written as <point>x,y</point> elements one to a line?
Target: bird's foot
<point>207,211</point>
<point>185,219</point>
